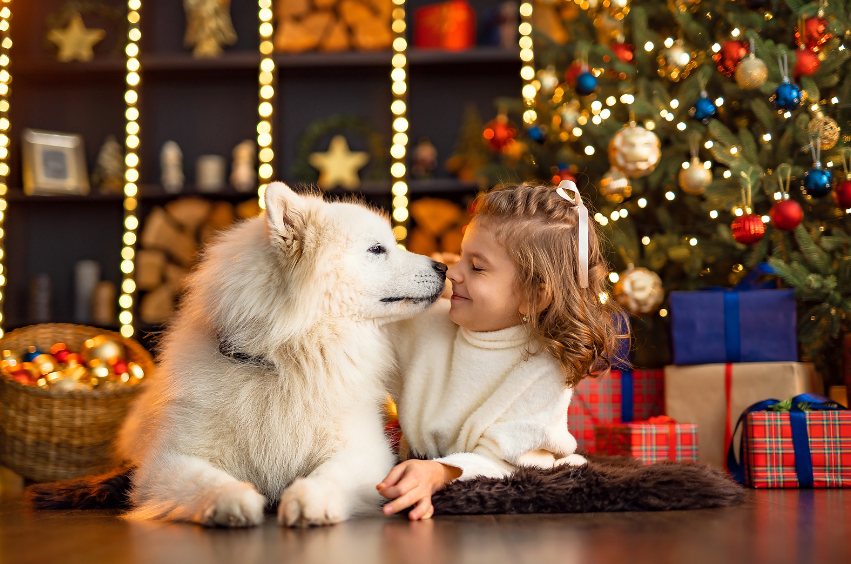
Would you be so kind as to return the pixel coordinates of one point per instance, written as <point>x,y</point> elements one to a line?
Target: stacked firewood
<point>171,238</point>
<point>439,226</point>
<point>333,25</point>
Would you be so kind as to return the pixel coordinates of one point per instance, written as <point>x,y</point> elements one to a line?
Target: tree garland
<point>378,166</point>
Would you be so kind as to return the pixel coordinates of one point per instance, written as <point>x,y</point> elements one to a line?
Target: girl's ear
<point>541,301</point>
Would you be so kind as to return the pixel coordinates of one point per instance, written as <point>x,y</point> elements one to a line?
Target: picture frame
<point>54,164</point>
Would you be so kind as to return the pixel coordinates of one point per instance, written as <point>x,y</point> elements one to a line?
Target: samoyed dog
<point>269,386</point>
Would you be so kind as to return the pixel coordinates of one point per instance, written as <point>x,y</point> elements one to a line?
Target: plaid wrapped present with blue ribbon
<point>803,442</point>
<point>622,396</point>
<point>657,439</point>
<point>747,323</point>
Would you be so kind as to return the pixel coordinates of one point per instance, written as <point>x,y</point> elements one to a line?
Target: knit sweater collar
<point>511,337</point>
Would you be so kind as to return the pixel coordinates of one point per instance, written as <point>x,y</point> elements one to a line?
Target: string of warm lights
<point>131,172</point>
<point>5,79</point>
<point>265,109</point>
<point>527,70</point>
<point>399,108</point>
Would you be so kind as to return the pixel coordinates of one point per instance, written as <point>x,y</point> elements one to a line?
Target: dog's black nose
<point>439,267</point>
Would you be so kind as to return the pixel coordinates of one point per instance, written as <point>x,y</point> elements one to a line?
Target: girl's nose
<point>454,273</point>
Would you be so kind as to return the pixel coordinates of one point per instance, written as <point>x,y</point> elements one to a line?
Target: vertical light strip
<point>5,79</point>
<point>527,70</point>
<point>131,172</point>
<point>399,108</point>
<point>265,109</point>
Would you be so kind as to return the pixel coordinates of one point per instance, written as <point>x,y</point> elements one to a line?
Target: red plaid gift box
<point>600,401</point>
<point>659,438</point>
<point>449,25</point>
<point>769,451</point>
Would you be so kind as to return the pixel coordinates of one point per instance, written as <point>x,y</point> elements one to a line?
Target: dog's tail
<point>100,491</point>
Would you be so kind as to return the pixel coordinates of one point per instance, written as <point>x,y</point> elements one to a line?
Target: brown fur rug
<point>605,484</point>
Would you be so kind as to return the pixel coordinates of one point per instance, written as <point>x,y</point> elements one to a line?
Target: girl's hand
<point>412,483</point>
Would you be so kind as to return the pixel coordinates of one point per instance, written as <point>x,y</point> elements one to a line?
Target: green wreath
<point>114,14</point>
<point>378,167</point>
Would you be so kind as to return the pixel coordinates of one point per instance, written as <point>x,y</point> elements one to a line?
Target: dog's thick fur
<point>305,288</point>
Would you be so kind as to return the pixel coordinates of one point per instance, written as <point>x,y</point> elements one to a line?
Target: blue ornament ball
<point>818,182</point>
<point>537,134</point>
<point>787,96</point>
<point>703,109</point>
<point>586,83</point>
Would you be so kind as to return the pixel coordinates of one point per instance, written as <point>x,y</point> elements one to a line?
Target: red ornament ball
<point>623,51</point>
<point>806,63</point>
<point>786,215</point>
<point>815,34</point>
<point>499,133</point>
<point>748,228</point>
<point>728,57</point>
<point>574,70</point>
<point>842,194</point>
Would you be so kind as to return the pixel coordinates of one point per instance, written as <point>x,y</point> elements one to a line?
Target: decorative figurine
<point>424,159</point>
<point>208,27</point>
<point>243,177</point>
<point>109,170</point>
<point>171,167</point>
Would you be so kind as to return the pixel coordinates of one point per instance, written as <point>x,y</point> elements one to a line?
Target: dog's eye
<point>377,249</point>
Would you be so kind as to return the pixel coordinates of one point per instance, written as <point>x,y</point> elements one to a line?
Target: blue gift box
<point>734,326</point>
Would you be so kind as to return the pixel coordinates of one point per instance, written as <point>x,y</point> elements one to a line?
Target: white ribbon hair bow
<point>583,227</point>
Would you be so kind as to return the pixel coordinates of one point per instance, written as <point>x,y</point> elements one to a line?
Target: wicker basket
<point>48,435</point>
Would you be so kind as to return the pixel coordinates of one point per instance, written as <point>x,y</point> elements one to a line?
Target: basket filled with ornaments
<point>64,393</point>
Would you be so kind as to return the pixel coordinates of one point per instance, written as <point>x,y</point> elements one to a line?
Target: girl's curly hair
<point>582,328</point>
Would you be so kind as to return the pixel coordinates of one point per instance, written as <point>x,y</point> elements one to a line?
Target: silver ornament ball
<point>751,73</point>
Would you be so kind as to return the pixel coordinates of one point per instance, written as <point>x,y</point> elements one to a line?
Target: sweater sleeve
<point>532,432</point>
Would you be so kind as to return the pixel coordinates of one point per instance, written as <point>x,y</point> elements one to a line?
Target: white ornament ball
<point>639,290</point>
<point>695,178</point>
<point>751,73</point>
<point>635,151</point>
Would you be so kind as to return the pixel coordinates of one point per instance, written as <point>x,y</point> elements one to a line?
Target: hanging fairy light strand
<point>399,108</point>
<point>131,172</point>
<point>265,108</point>
<point>5,79</point>
<point>527,70</point>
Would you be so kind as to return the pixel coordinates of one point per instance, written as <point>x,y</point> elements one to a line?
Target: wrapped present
<point>733,326</point>
<point>657,439</point>
<point>804,442</point>
<point>846,363</point>
<point>620,397</point>
<point>448,25</point>
<point>710,395</point>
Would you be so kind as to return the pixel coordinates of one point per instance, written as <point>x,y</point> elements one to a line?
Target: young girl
<point>486,377</point>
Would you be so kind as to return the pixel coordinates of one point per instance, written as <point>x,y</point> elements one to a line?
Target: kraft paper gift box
<point>712,396</point>
<point>804,442</point>
<point>733,326</point>
<point>621,396</point>
<point>449,25</point>
<point>657,439</point>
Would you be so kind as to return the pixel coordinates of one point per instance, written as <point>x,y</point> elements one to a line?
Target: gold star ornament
<point>75,42</point>
<point>339,166</point>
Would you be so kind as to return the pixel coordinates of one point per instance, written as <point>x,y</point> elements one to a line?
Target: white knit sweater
<point>476,400</point>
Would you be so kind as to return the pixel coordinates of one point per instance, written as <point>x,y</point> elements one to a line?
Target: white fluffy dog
<point>270,380</point>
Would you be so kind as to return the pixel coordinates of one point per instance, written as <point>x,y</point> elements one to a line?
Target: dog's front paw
<point>572,460</point>
<point>234,504</point>
<point>311,501</point>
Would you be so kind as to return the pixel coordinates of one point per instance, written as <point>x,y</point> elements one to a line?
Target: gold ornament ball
<point>824,128</point>
<point>614,185</point>
<point>639,290</point>
<point>101,348</point>
<point>676,62</point>
<point>751,73</point>
<point>695,178</point>
<point>635,151</point>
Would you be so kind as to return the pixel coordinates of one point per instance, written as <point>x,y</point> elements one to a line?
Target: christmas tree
<point>705,132</point>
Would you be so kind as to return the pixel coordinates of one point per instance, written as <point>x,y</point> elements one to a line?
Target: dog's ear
<point>285,216</point>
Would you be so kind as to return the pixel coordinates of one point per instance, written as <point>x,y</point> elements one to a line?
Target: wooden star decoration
<point>75,42</point>
<point>339,166</point>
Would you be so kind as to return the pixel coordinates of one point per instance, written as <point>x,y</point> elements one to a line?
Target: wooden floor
<point>774,526</point>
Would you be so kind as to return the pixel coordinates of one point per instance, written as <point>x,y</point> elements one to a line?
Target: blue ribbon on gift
<point>732,332</point>
<point>800,435</point>
<point>627,396</point>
